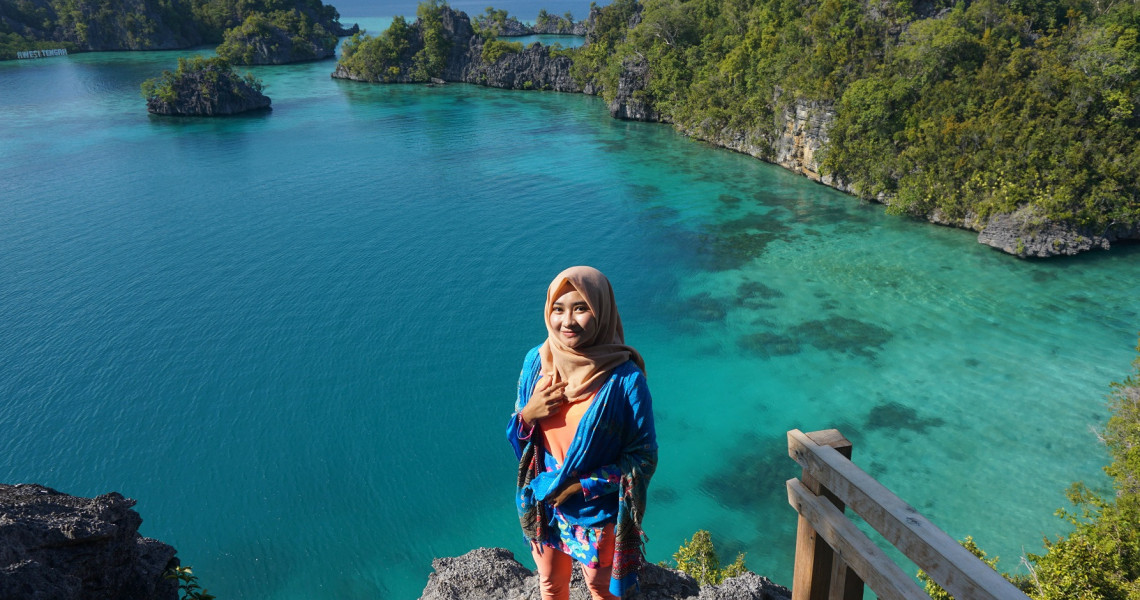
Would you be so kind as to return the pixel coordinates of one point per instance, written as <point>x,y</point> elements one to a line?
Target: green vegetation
<point>114,25</point>
<point>493,49</point>
<point>209,74</point>
<point>698,558</point>
<point>490,23</point>
<point>969,108</point>
<point>188,588</point>
<point>430,61</point>
<point>304,37</point>
<point>377,58</point>
<point>936,592</point>
<point>1100,559</point>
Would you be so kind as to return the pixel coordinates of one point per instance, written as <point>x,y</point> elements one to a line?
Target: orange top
<point>559,428</point>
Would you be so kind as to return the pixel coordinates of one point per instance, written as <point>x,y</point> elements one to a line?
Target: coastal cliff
<point>62,547</point>
<point>494,574</point>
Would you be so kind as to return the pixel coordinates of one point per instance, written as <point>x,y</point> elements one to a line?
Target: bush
<point>697,557</point>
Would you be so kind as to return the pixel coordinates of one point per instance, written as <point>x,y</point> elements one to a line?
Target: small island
<point>203,87</point>
<point>277,38</point>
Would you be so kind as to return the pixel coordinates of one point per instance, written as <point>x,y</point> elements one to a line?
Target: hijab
<point>585,368</point>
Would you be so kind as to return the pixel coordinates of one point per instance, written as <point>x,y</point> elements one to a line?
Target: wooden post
<point>819,574</point>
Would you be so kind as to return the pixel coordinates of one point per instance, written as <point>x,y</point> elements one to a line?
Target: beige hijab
<point>585,368</point>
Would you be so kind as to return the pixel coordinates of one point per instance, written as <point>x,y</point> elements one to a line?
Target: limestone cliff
<point>61,547</point>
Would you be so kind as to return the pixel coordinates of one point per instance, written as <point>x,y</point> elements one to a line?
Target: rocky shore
<point>60,547</point>
<point>799,135</point>
<point>494,574</point>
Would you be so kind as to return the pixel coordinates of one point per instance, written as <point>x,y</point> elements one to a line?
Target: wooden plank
<point>815,561</point>
<point>962,574</point>
<point>881,573</point>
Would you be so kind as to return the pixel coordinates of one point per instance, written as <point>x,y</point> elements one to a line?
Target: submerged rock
<point>494,574</point>
<point>62,547</point>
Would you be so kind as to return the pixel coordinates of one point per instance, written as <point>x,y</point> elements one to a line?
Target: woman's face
<point>572,319</point>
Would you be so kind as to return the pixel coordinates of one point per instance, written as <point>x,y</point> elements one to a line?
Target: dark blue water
<point>294,337</point>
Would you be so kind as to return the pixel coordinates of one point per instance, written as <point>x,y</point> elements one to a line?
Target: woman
<point>583,433</point>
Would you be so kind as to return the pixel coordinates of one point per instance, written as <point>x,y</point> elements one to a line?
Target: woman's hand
<point>568,492</point>
<point>545,401</point>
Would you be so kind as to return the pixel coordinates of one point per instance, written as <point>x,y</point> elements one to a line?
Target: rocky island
<point>874,104</point>
<point>203,87</point>
<point>62,547</point>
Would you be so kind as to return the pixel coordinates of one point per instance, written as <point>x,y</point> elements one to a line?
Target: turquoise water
<point>566,41</point>
<point>294,337</point>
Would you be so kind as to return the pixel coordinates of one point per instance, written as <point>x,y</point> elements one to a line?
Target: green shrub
<point>493,49</point>
<point>698,558</point>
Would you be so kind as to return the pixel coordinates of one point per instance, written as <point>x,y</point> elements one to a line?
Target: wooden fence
<point>834,560</point>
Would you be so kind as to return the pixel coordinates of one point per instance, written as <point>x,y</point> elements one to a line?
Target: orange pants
<point>555,568</point>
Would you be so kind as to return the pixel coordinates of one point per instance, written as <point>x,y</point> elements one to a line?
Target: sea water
<point>294,337</point>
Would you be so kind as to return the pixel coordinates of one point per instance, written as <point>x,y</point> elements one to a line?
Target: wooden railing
<point>834,560</point>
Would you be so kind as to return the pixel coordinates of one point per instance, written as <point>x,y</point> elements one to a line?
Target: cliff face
<point>66,548</point>
<point>493,574</point>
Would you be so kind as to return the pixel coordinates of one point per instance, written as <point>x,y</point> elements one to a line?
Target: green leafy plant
<point>698,558</point>
<point>188,587</point>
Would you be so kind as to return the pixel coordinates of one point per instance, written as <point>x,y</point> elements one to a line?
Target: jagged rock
<point>558,25</point>
<point>60,547</point>
<point>207,88</point>
<point>508,27</point>
<point>1026,233</point>
<point>630,102</point>
<point>532,68</point>
<point>494,574</point>
<point>747,586</point>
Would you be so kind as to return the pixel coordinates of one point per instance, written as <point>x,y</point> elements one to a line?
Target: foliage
<point>698,558</point>
<point>304,34</point>
<point>142,24</point>
<point>209,74</point>
<point>430,61</point>
<point>967,108</point>
<point>490,23</point>
<point>493,49</point>
<point>377,58</point>
<point>188,587</point>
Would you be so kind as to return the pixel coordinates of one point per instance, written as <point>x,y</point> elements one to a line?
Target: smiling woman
<point>584,392</point>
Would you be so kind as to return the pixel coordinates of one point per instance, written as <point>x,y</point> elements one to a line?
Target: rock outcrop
<point>60,547</point>
<point>262,42</point>
<point>206,88</point>
<point>494,574</point>
<point>534,67</point>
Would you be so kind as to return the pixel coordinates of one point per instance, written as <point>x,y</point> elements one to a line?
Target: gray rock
<point>60,547</point>
<point>494,574</point>
<point>210,91</point>
<point>1026,233</point>
<point>631,101</point>
<point>747,586</point>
